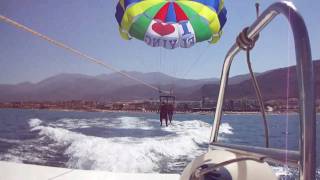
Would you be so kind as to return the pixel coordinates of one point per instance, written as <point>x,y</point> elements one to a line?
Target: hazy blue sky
<point>90,26</point>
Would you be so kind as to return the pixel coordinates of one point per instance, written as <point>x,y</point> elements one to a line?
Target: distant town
<point>204,105</point>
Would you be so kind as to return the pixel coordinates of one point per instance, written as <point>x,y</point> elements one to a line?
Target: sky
<point>90,26</point>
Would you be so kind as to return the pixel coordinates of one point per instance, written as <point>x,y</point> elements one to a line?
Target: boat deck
<point>17,171</point>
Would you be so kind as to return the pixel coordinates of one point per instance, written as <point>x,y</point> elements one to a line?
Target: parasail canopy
<point>171,23</point>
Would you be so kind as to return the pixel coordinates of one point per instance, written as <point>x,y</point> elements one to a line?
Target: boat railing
<point>304,159</point>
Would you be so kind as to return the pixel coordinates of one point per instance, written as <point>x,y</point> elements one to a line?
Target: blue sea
<point>133,142</point>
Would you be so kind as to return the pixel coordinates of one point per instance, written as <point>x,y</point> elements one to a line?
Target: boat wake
<point>123,144</point>
<point>120,144</point>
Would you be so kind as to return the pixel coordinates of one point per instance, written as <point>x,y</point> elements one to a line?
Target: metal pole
<point>304,76</point>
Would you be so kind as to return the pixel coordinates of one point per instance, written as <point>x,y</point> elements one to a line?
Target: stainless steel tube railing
<point>304,76</point>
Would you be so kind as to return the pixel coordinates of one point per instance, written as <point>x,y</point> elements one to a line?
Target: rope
<point>246,44</point>
<point>196,61</point>
<point>190,68</point>
<point>74,51</point>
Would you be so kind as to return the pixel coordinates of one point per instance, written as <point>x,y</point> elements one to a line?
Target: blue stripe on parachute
<point>222,17</point>
<point>120,10</point>
<point>211,3</point>
<point>129,2</point>
<point>119,13</point>
<point>171,14</point>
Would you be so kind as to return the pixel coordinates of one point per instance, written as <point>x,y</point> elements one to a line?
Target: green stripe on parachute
<point>199,24</point>
<point>140,26</point>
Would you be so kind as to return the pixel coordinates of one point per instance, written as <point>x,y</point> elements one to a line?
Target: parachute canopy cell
<point>171,23</point>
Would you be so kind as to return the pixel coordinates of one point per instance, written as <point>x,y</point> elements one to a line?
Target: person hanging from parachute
<point>170,110</point>
<point>171,24</point>
<point>166,107</point>
<point>163,113</point>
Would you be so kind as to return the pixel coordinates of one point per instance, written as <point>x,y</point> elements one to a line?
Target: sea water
<point>133,142</point>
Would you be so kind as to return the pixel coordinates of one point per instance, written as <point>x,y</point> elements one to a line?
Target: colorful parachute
<point>171,23</point>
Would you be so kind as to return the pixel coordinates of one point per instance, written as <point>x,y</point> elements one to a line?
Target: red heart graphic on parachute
<point>163,29</point>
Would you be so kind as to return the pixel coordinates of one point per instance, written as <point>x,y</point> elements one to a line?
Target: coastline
<point>178,112</point>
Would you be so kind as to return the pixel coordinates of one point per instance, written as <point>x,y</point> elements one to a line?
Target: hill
<point>114,87</point>
<point>274,84</point>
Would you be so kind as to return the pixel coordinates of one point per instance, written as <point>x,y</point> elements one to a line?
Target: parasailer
<point>163,113</point>
<point>170,109</point>
<point>171,24</point>
<point>166,108</point>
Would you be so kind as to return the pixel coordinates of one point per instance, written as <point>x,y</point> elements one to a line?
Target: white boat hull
<point>242,170</point>
<point>17,171</point>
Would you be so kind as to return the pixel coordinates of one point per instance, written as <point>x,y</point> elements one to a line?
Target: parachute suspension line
<point>198,58</point>
<point>74,51</point>
<point>160,67</point>
<point>170,69</point>
<point>189,68</point>
<point>174,70</point>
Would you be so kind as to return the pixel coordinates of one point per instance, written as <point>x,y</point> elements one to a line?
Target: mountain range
<point>274,84</point>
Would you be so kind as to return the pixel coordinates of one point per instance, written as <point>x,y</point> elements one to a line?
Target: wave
<point>10,157</point>
<point>129,154</point>
<point>225,128</point>
<point>25,152</point>
<point>123,122</point>
<point>12,141</point>
<point>172,151</point>
<point>284,172</point>
<point>17,141</point>
<point>67,123</point>
<point>136,123</point>
<point>34,122</point>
